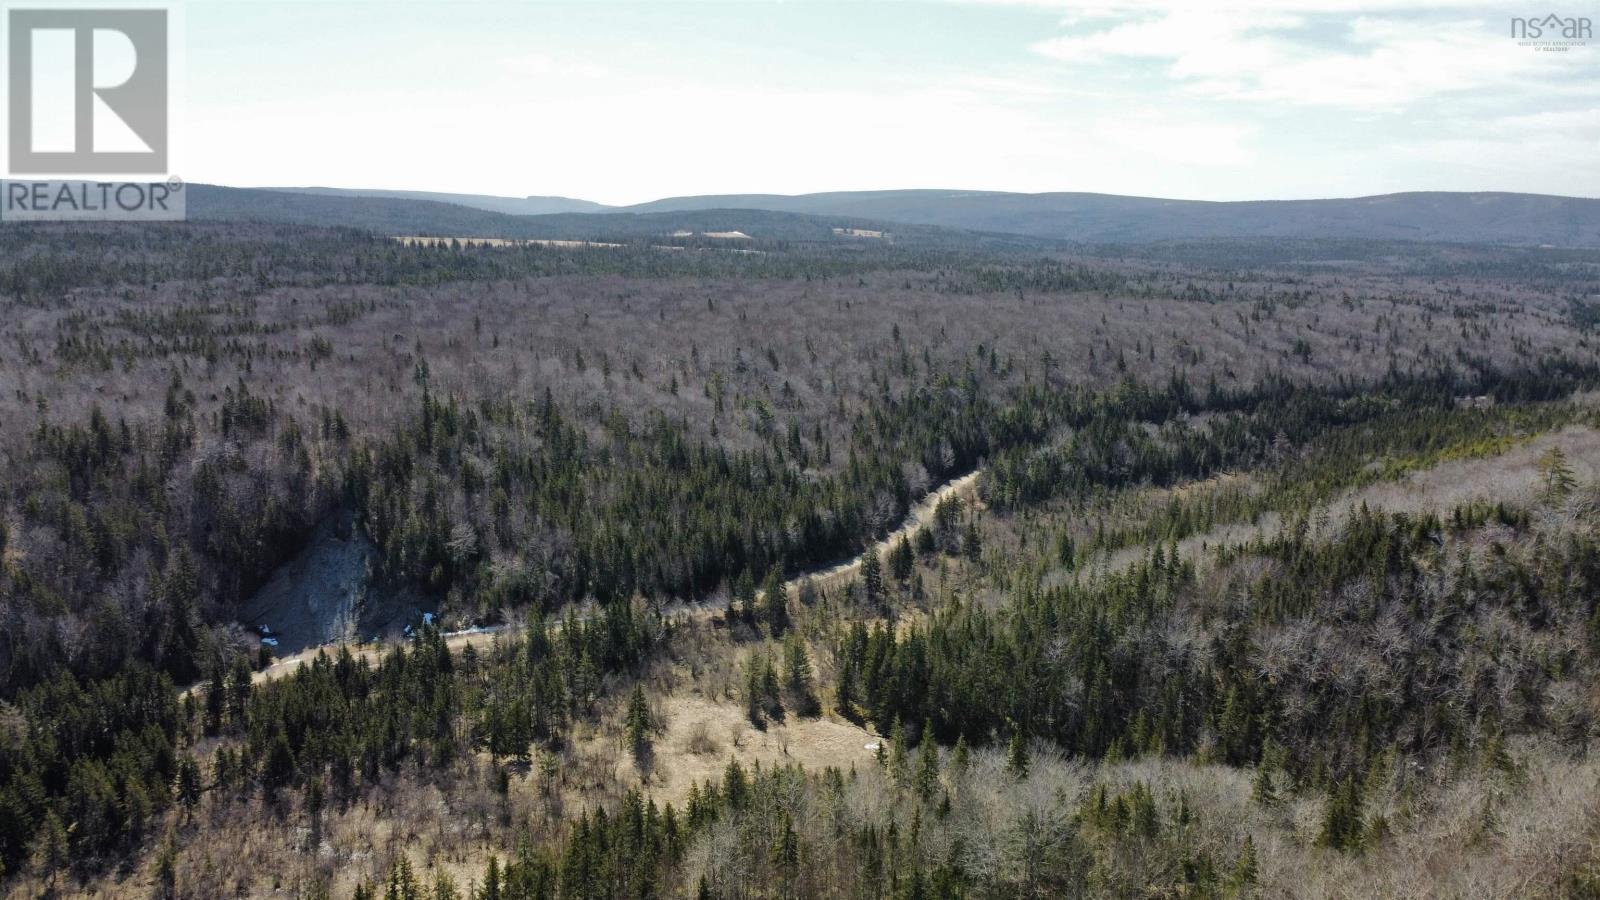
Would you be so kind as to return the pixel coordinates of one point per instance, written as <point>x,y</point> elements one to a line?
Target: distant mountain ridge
<point>1486,217</point>
<point>1480,218</point>
<point>513,206</point>
<point>403,216</point>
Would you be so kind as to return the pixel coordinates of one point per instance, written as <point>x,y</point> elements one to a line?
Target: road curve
<point>830,576</point>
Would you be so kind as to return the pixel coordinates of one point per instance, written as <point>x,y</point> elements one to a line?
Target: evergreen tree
<point>872,589</point>
<point>844,697</point>
<point>638,725</point>
<point>742,603</point>
<point>239,687</point>
<point>927,774</point>
<point>444,887</point>
<point>1234,732</point>
<point>762,690</point>
<point>899,771</point>
<point>187,786</point>
<point>402,882</point>
<point>972,541</point>
<point>961,757</point>
<point>279,769</point>
<point>314,802</point>
<point>775,603</point>
<point>1245,869</point>
<point>181,649</point>
<point>1017,760</point>
<point>50,848</point>
<point>798,676</point>
<point>901,559</point>
<point>1343,825</point>
<point>216,702</point>
<point>1262,789</point>
<point>491,881</point>
<point>771,687</point>
<point>1555,473</point>
<point>786,853</point>
<point>167,868</point>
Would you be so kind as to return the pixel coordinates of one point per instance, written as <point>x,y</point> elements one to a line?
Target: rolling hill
<point>514,206</point>
<point>1478,218</point>
<point>1490,217</point>
<point>409,216</point>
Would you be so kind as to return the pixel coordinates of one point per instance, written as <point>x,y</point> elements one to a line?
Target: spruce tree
<point>742,602</point>
<point>786,853</point>
<point>181,649</point>
<point>402,882</point>
<point>927,774</point>
<point>775,603</point>
<point>872,579</point>
<point>960,757</point>
<point>1245,869</point>
<point>798,676</point>
<point>187,784</point>
<point>844,697</point>
<point>1342,822</point>
<point>771,688</point>
<point>638,725</point>
<point>491,881</point>
<point>1017,760</point>
<point>50,846</point>
<point>1262,790</point>
<point>901,559</point>
<point>1556,473</point>
<point>752,694</point>
<point>898,757</point>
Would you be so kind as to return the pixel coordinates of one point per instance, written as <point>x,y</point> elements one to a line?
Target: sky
<point>622,103</point>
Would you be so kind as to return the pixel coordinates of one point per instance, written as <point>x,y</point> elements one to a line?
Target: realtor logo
<point>88,91</point>
<point>1552,33</point>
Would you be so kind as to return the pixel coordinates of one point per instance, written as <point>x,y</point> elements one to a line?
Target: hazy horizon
<point>625,103</point>
<point>953,190</point>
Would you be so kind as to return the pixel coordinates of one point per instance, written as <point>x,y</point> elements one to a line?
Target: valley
<point>995,568</point>
<point>931,450</point>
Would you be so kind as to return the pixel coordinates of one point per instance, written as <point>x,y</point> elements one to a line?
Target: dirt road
<point>921,515</point>
<point>965,487</point>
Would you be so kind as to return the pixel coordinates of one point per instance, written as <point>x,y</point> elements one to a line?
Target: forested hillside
<point>738,230</point>
<point>1489,217</point>
<point>1206,628</point>
<point>1483,217</point>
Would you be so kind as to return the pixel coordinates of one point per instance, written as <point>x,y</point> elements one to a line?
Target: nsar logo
<point>1552,32</point>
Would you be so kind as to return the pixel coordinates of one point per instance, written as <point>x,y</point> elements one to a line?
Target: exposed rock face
<point>325,593</point>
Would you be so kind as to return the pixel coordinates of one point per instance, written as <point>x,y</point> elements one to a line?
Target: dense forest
<point>1210,616</point>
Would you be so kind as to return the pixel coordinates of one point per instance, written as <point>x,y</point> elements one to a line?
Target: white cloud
<point>1380,62</point>
<point>1198,42</point>
<point>1397,65</point>
<point>1253,100</point>
<point>1581,123</point>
